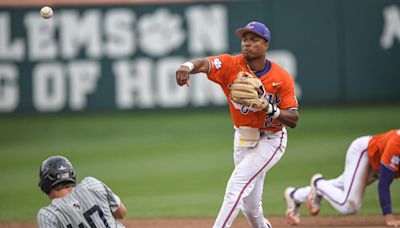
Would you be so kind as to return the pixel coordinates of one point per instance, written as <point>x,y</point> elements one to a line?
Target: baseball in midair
<point>46,12</point>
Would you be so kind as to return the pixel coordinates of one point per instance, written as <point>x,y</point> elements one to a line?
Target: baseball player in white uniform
<point>88,204</point>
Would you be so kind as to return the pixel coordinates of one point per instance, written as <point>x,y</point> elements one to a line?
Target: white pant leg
<point>301,194</point>
<point>337,182</point>
<point>250,164</point>
<point>348,199</point>
<point>252,204</point>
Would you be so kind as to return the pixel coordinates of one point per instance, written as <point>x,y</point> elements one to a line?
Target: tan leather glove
<point>248,90</point>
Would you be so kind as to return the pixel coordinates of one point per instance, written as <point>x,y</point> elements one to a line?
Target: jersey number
<point>89,220</point>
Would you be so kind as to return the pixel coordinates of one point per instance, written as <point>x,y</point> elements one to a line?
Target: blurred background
<point>96,83</point>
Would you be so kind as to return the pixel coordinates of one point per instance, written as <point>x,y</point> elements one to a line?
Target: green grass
<point>176,164</point>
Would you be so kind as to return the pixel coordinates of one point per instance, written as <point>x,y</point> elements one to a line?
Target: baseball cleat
<point>293,208</point>
<point>314,199</point>
<point>267,223</point>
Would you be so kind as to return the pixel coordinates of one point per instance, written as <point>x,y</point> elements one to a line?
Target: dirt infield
<point>339,221</point>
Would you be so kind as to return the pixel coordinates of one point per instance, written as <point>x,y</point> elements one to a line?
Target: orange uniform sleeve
<point>220,68</point>
<point>287,96</point>
<point>391,155</point>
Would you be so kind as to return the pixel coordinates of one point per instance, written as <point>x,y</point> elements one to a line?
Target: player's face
<point>253,46</point>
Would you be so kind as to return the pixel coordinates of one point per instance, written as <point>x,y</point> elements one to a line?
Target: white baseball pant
<point>245,186</point>
<point>345,193</point>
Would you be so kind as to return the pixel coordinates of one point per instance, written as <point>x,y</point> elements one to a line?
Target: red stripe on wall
<point>39,3</point>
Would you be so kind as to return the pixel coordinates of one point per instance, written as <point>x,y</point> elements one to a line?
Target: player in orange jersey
<point>368,158</point>
<point>260,135</point>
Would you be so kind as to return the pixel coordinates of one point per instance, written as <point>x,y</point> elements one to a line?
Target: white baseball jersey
<point>89,204</point>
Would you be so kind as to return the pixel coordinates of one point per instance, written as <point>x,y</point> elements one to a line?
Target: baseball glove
<point>248,90</point>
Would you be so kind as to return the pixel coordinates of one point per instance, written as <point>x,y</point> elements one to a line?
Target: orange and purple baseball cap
<point>255,27</point>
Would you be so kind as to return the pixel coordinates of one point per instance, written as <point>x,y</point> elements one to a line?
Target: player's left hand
<point>394,223</point>
<point>391,221</point>
<point>248,90</point>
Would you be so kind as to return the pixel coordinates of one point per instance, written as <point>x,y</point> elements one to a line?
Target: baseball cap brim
<point>241,31</point>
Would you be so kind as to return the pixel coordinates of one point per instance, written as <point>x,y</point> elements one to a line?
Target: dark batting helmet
<point>55,170</point>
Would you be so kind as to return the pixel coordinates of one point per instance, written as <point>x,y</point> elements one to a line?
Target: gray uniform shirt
<point>89,204</point>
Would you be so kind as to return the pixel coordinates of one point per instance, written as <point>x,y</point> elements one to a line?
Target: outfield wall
<point>101,56</point>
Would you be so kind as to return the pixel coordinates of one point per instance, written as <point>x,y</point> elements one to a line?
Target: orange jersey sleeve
<point>277,82</point>
<point>221,68</point>
<point>391,154</point>
<point>385,149</point>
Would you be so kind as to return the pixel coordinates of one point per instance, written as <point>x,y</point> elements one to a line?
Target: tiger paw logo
<point>217,63</point>
<point>395,160</point>
<point>161,32</point>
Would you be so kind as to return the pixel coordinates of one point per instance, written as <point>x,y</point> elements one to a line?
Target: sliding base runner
<point>87,204</point>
